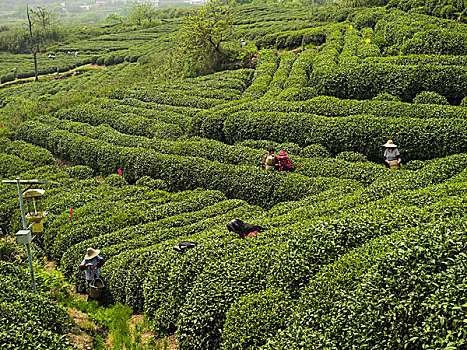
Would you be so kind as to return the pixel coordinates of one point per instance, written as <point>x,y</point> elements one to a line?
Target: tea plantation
<point>356,255</point>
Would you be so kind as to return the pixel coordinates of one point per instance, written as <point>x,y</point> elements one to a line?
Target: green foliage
<point>115,180</point>
<point>264,72</point>
<point>12,165</point>
<point>142,12</point>
<point>355,133</point>
<point>201,36</point>
<point>315,150</point>
<point>429,97</point>
<point>351,156</point>
<point>153,184</point>
<point>50,280</point>
<point>235,181</point>
<point>386,96</point>
<point>401,278</point>
<point>336,268</point>
<point>80,172</point>
<point>293,39</point>
<point>30,320</point>
<point>368,79</point>
<point>125,122</point>
<point>439,42</point>
<point>254,318</point>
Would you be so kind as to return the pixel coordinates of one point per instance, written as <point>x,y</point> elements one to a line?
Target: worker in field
<point>244,229</point>
<point>270,160</point>
<point>91,265</point>
<point>284,163</point>
<point>392,156</point>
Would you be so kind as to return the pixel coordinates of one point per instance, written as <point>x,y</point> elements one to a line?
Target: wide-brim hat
<point>91,253</point>
<point>390,144</point>
<point>282,153</point>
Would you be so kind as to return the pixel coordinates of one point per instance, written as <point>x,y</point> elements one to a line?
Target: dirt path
<point>62,75</point>
<point>80,332</point>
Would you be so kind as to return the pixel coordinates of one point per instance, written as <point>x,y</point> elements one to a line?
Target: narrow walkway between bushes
<point>52,76</point>
<point>98,328</point>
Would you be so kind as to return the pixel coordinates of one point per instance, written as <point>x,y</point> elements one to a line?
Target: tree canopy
<point>206,28</point>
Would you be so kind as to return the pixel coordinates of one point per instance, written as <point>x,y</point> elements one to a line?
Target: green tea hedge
<point>127,123</point>
<point>369,79</point>
<point>243,182</point>
<point>417,138</point>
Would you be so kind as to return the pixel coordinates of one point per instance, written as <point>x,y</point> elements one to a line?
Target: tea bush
<point>127,123</point>
<point>353,133</point>
<point>80,172</point>
<point>29,320</point>
<point>403,276</point>
<point>254,318</point>
<point>369,79</point>
<point>237,181</point>
<point>429,97</point>
<point>11,165</point>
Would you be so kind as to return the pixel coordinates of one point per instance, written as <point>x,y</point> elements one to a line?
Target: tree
<point>143,11</point>
<point>113,17</point>
<point>44,17</point>
<point>40,21</point>
<point>204,30</point>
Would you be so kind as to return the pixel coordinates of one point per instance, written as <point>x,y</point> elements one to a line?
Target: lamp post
<point>24,236</point>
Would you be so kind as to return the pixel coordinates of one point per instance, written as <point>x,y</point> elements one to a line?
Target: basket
<point>394,165</point>
<point>270,167</point>
<point>95,288</point>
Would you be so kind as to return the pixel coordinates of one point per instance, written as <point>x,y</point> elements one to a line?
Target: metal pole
<point>21,204</point>
<point>25,226</point>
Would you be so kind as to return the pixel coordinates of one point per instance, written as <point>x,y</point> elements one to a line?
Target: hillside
<point>356,255</point>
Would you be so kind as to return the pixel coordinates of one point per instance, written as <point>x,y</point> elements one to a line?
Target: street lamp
<point>34,213</point>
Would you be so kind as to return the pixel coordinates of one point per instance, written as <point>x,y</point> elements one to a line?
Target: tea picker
<point>91,265</point>
<point>270,160</point>
<point>244,229</point>
<point>392,156</point>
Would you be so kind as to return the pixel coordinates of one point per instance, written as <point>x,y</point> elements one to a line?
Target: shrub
<point>12,165</point>
<point>429,97</point>
<point>369,79</point>
<point>100,61</point>
<point>414,165</point>
<point>37,155</point>
<point>353,133</point>
<point>80,172</point>
<point>350,156</point>
<point>252,319</point>
<point>109,60</point>
<point>115,180</point>
<point>437,42</point>
<point>129,123</point>
<point>153,184</point>
<point>386,96</point>
<point>315,150</point>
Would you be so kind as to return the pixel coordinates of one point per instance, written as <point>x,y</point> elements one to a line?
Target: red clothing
<point>251,234</point>
<point>284,162</point>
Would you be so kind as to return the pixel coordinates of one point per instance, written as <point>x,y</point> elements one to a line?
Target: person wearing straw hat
<point>244,229</point>
<point>91,265</point>
<point>392,156</point>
